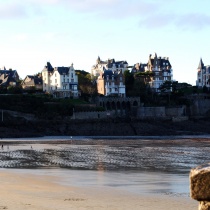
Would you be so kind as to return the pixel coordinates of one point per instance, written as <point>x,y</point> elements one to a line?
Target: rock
<point>200,183</point>
<point>204,205</point>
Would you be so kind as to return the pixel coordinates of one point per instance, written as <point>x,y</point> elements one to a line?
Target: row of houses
<point>109,76</point>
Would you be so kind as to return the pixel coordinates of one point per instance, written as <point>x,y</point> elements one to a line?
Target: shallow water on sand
<point>159,166</point>
<point>137,182</point>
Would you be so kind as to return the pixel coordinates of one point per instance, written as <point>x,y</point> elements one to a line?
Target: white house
<point>160,68</point>
<point>110,64</point>
<point>203,75</point>
<point>60,81</point>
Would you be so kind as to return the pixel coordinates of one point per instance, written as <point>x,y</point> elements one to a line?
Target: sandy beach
<point>20,191</point>
<point>125,174</point>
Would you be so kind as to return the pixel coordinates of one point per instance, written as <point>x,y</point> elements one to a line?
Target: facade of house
<point>203,75</point>
<point>111,83</point>
<point>110,64</point>
<point>61,82</point>
<point>8,77</point>
<point>32,82</point>
<point>160,68</point>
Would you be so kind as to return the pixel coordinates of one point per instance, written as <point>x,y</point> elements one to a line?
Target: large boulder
<point>200,183</point>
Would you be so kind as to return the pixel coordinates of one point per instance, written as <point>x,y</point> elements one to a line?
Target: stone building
<point>111,83</point>
<point>203,75</point>
<point>32,82</point>
<point>8,77</point>
<point>110,64</point>
<point>60,81</point>
<point>160,68</point>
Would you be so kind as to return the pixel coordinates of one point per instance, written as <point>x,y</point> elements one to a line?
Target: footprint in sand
<point>74,199</point>
<point>3,207</point>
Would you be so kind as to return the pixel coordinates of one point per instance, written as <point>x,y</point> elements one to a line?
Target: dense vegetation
<point>171,93</point>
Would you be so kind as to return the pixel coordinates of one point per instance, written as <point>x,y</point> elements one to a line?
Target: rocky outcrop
<point>200,186</point>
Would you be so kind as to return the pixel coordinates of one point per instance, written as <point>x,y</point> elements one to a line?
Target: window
<point>63,79</point>
<point>72,80</point>
<point>110,89</point>
<point>120,78</point>
<point>55,80</point>
<point>67,80</point>
<point>72,75</point>
<point>55,74</point>
<point>50,81</point>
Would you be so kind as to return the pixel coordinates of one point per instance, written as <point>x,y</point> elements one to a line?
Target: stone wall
<point>151,112</point>
<point>176,111</point>
<point>200,107</point>
<point>94,115</point>
<point>161,112</point>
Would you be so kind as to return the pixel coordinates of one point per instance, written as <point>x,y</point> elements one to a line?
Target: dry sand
<point>21,191</point>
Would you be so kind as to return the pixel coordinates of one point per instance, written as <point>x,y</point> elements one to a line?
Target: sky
<point>33,32</point>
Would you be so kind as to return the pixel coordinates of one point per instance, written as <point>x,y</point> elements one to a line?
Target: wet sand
<point>20,191</point>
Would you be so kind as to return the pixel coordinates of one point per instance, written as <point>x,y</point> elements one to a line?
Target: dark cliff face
<point>14,128</point>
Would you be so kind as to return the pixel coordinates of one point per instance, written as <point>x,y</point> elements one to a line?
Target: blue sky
<point>33,32</point>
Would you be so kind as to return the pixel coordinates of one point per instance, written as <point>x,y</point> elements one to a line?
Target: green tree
<point>87,87</point>
<point>144,76</point>
<point>129,82</point>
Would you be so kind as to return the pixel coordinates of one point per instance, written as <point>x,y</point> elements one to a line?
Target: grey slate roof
<point>7,76</point>
<point>111,62</point>
<point>110,74</point>
<point>63,70</point>
<point>201,64</point>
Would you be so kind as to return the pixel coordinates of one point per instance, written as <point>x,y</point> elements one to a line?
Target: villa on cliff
<point>110,83</point>
<point>203,75</point>
<point>160,68</point>
<point>8,77</point>
<point>61,82</point>
<point>110,64</point>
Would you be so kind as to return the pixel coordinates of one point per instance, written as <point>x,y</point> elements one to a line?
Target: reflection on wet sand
<point>174,156</point>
